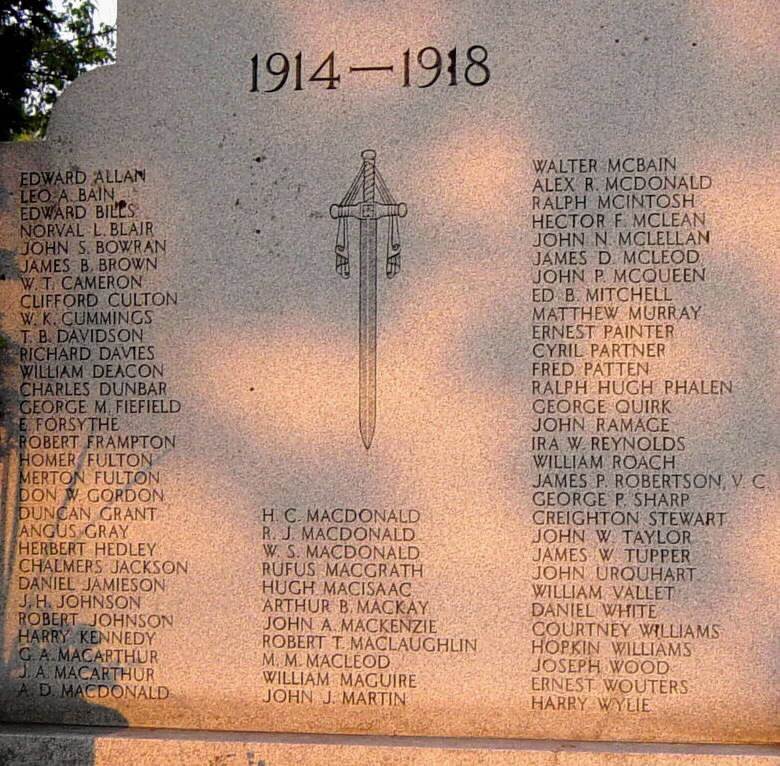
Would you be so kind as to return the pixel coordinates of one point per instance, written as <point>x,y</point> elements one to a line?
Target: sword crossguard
<point>368,211</point>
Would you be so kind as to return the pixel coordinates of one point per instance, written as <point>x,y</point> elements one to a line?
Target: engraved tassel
<point>342,249</point>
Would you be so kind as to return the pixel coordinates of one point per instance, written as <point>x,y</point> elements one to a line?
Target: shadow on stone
<point>48,674</point>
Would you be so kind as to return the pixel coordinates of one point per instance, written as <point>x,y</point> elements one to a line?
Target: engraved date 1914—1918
<point>421,69</point>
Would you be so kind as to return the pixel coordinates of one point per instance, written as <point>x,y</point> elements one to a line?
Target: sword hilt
<point>368,209</point>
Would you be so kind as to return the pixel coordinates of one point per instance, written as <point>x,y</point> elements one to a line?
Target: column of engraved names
<point>89,571</point>
<point>620,263</point>
<point>344,605</point>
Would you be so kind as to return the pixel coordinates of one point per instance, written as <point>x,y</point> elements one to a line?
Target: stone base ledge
<point>75,746</point>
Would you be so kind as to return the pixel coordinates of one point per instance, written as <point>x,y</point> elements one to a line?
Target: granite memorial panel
<point>398,368</point>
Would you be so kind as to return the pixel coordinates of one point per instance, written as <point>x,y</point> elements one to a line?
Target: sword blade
<point>368,288</point>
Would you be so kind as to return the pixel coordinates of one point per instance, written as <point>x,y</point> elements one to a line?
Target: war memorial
<point>396,383</point>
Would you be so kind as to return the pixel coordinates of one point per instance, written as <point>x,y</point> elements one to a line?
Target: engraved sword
<point>377,203</point>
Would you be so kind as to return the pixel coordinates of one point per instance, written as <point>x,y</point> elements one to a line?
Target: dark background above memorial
<point>41,51</point>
